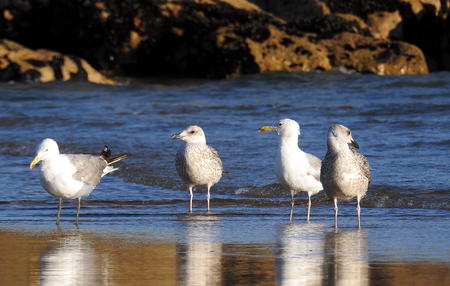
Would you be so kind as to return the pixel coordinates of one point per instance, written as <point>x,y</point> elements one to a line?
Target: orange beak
<point>34,162</point>
<point>266,128</point>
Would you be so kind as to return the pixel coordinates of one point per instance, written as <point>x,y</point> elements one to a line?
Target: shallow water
<point>401,123</point>
<point>224,249</point>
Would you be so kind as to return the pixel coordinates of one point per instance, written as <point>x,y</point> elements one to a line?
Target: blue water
<point>402,125</point>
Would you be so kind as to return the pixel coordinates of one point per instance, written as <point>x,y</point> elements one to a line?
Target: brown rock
<point>283,52</point>
<point>418,5</point>
<point>298,9</point>
<point>20,63</point>
<point>368,55</point>
<point>382,24</point>
<point>354,18</point>
<point>220,38</point>
<point>7,15</point>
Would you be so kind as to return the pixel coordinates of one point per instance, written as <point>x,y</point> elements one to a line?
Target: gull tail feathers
<point>117,158</point>
<point>106,154</point>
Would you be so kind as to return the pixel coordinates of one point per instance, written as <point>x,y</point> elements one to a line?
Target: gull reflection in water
<point>202,264</point>
<point>301,256</point>
<point>71,262</point>
<point>347,258</point>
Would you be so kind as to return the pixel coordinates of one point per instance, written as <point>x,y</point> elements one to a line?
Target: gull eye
<point>192,132</point>
<point>45,150</point>
<point>280,124</point>
<point>348,132</point>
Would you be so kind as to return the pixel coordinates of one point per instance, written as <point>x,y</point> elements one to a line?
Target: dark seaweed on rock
<point>328,25</point>
<point>362,8</point>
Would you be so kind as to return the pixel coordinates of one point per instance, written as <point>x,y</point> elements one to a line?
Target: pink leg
<point>335,212</point>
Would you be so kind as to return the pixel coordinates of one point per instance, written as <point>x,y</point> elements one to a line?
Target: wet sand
<point>223,249</point>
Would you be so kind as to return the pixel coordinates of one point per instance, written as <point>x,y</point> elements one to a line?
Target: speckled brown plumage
<point>345,173</point>
<point>196,162</point>
<point>336,166</point>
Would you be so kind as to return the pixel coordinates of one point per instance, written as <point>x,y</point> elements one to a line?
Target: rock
<point>382,24</point>
<point>293,10</point>
<point>424,23</point>
<point>366,55</point>
<point>19,63</point>
<point>279,51</point>
<point>417,6</point>
<point>221,38</point>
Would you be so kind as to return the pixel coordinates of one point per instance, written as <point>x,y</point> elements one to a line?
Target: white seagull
<point>71,176</point>
<point>297,170</point>
<point>345,173</point>
<point>197,163</point>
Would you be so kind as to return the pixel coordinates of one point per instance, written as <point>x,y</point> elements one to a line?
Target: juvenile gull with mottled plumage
<point>71,176</point>
<point>345,173</point>
<point>296,170</point>
<point>197,163</point>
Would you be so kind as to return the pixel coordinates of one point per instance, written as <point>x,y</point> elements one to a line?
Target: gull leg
<point>309,206</point>
<point>292,205</point>
<point>78,209</point>
<point>59,210</point>
<point>335,212</point>
<point>208,196</point>
<point>358,211</point>
<point>190,201</point>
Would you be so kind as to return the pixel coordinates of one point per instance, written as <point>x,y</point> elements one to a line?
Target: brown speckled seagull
<point>345,173</point>
<point>197,163</point>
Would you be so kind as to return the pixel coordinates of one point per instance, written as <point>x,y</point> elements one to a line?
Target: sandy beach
<point>393,248</point>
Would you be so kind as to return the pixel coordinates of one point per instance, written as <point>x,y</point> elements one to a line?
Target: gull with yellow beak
<point>296,170</point>
<point>71,176</point>
<point>345,173</point>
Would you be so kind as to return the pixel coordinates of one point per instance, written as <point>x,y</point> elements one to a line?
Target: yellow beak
<point>266,128</point>
<point>34,162</point>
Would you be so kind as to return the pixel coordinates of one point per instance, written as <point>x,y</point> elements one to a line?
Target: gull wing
<point>89,168</point>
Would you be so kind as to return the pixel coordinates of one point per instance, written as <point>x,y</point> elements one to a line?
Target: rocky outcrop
<point>423,23</point>
<point>219,38</point>
<point>18,63</point>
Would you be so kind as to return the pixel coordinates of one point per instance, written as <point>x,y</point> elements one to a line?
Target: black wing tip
<point>106,152</point>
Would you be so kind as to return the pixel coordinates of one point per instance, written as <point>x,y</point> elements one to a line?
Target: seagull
<point>71,176</point>
<point>297,170</point>
<point>345,173</point>
<point>197,163</point>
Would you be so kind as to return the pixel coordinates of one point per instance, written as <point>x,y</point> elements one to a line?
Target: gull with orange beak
<point>71,176</point>
<point>296,170</point>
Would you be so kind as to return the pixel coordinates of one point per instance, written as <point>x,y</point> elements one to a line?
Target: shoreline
<point>225,249</point>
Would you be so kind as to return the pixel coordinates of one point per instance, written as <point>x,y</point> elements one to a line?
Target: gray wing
<point>89,168</point>
<point>316,164</point>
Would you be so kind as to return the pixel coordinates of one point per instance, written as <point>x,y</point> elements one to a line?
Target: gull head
<point>284,128</point>
<point>46,150</point>
<point>340,137</point>
<point>192,134</point>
